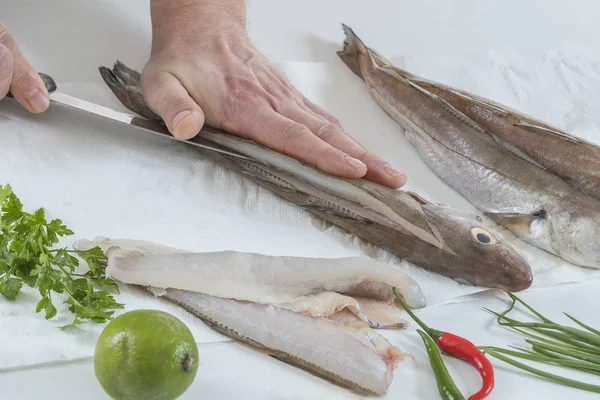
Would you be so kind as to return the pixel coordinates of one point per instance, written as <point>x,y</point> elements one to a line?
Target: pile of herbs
<point>28,257</point>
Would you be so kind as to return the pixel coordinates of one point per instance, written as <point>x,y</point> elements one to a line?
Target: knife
<point>142,124</point>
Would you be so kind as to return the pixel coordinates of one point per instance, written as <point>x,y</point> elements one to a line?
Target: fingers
<point>6,65</point>
<point>25,83</point>
<point>165,95</point>
<point>330,131</point>
<point>295,140</point>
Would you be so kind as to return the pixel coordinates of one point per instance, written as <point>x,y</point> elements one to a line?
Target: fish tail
<point>353,50</point>
<point>125,84</point>
<point>127,75</point>
<point>110,79</point>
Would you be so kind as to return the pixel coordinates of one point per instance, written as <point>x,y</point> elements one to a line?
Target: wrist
<point>176,20</point>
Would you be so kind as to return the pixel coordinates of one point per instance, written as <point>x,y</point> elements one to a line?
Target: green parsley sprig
<point>27,257</point>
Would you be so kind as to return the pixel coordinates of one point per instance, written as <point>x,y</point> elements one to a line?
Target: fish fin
<point>380,60</point>
<point>547,130</point>
<point>517,222</point>
<point>434,230</point>
<point>127,75</point>
<point>443,103</point>
<point>353,49</point>
<point>482,102</point>
<point>129,95</point>
<point>511,148</point>
<point>506,145</point>
<point>500,110</point>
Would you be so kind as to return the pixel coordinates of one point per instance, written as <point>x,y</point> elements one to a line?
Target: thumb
<point>165,95</point>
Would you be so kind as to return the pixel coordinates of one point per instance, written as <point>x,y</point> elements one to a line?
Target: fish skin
<point>462,257</point>
<point>359,359</point>
<point>535,204</point>
<point>575,160</point>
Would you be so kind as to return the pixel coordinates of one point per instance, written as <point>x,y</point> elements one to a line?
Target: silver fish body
<point>440,240</point>
<point>511,189</point>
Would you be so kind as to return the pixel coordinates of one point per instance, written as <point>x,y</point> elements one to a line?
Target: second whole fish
<point>511,189</point>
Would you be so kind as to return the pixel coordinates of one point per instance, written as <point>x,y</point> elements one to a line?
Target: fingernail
<point>38,100</point>
<point>393,171</point>
<point>178,119</point>
<point>354,162</point>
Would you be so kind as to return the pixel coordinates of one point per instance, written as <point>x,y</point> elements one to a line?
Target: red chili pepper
<point>461,348</point>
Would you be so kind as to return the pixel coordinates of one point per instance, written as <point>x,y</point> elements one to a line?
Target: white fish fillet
<point>254,277</point>
<point>357,358</point>
<point>374,313</point>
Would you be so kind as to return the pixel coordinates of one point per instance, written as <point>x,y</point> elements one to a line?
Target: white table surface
<point>310,31</point>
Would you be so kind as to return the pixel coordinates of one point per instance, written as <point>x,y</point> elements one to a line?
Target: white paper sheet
<point>106,181</point>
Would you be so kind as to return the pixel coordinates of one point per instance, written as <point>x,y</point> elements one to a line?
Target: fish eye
<point>482,236</point>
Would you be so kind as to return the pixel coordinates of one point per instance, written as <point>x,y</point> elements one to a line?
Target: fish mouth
<point>509,272</point>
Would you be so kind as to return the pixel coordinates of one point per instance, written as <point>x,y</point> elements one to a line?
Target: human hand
<point>204,69</point>
<point>19,77</point>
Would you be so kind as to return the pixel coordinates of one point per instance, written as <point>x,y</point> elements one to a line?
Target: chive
<point>578,333</point>
<point>537,314</point>
<point>568,352</point>
<point>589,328</point>
<point>540,358</point>
<point>567,339</point>
<point>522,349</point>
<point>552,377</point>
<point>578,346</point>
<point>558,356</point>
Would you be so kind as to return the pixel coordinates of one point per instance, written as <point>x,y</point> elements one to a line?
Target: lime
<point>145,354</point>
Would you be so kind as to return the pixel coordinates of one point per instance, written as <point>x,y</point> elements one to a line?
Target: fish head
<point>482,257</point>
<point>574,233</point>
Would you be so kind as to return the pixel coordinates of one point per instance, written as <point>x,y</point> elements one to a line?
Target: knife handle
<point>48,82</point>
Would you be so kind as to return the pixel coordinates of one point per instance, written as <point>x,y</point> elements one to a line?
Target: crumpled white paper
<point>104,180</point>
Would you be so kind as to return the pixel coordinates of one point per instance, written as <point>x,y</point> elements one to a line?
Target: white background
<point>70,39</point>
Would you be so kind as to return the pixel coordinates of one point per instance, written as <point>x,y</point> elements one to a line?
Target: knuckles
<point>6,37</point>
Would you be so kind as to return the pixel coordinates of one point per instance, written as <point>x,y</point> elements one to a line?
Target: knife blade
<point>140,123</point>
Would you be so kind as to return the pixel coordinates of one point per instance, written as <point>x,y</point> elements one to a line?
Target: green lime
<point>145,355</point>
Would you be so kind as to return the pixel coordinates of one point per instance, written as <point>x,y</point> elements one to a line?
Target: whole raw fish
<point>269,302</point>
<point>431,236</point>
<point>513,190</point>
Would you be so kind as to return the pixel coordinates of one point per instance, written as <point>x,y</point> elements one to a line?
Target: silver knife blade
<point>142,124</point>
